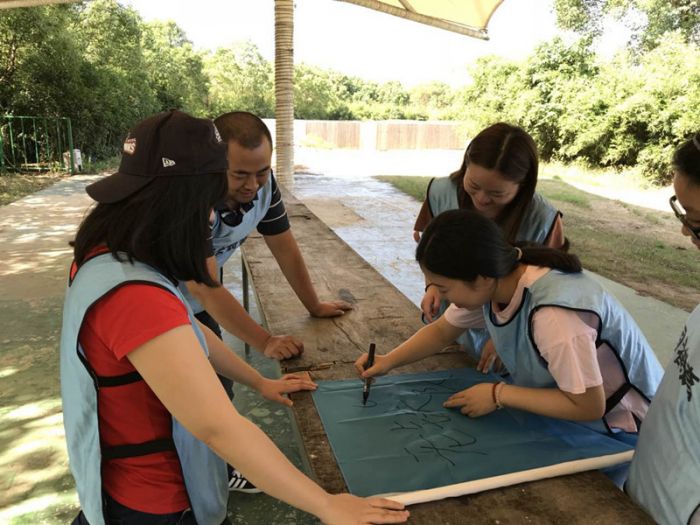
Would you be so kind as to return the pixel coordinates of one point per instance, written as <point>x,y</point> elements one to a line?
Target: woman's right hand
<point>346,509</point>
<point>430,305</point>
<point>380,366</point>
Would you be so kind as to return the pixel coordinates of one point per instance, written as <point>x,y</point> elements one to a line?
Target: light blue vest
<point>665,472</point>
<point>575,291</point>
<point>536,224</point>
<point>535,227</point>
<point>204,472</point>
<point>226,239</point>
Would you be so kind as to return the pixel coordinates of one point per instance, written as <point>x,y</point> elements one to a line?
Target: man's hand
<point>275,389</point>
<point>475,401</point>
<point>330,308</point>
<point>283,347</point>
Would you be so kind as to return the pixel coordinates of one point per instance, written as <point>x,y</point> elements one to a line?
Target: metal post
<point>246,301</point>
<point>59,145</point>
<point>12,145</point>
<point>24,142</point>
<point>70,147</point>
<point>36,143</point>
<point>2,151</point>
<point>47,149</point>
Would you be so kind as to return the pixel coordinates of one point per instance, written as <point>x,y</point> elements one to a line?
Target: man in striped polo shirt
<point>254,201</point>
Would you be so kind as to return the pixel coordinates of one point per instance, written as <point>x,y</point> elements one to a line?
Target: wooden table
<point>385,316</point>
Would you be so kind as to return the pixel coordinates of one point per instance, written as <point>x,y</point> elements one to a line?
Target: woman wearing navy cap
<point>149,428</point>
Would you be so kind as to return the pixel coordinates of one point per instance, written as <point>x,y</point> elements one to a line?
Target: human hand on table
<point>275,389</point>
<point>346,509</point>
<point>283,347</point>
<point>475,401</point>
<point>330,308</point>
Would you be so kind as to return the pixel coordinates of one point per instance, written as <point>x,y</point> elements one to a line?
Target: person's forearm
<point>228,364</point>
<point>231,315</point>
<point>263,464</point>
<point>552,402</point>
<point>425,342</point>
<point>291,262</point>
<point>205,410</point>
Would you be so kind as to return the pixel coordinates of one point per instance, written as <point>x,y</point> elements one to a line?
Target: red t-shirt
<point>117,324</point>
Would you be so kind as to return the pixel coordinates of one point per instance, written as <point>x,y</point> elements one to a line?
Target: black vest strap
<point>137,449</point>
<point>125,379</point>
<point>617,396</point>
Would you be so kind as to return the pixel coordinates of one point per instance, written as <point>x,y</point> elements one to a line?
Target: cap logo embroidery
<point>168,162</point>
<point>217,135</point>
<point>130,146</point>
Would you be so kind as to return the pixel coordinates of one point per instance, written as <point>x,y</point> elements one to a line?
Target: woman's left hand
<point>276,389</point>
<point>475,401</point>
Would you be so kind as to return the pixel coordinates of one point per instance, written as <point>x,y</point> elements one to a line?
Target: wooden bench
<point>385,316</point>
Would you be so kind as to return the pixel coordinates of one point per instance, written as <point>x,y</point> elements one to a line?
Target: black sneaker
<point>237,482</point>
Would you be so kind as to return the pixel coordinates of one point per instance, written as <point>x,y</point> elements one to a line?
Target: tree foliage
<point>101,65</point>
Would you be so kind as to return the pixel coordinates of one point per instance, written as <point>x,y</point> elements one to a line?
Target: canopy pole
<point>284,90</point>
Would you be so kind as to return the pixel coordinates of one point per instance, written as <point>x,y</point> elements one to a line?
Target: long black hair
<point>165,224</point>
<point>463,244</point>
<point>686,159</point>
<point>512,152</point>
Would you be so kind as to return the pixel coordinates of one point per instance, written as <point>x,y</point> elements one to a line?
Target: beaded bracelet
<point>497,389</point>
<point>493,393</point>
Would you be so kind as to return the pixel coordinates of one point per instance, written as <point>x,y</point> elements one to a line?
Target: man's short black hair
<point>243,128</point>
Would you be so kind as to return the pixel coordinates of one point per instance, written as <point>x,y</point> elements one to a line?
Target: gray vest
<point>575,291</point>
<point>665,472</point>
<point>535,227</point>
<point>226,239</point>
<point>204,472</point>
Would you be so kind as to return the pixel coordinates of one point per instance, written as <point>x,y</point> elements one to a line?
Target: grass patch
<point>14,186</point>
<point>410,185</point>
<point>638,247</point>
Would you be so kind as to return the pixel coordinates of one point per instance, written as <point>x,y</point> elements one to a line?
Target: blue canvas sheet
<point>404,440</point>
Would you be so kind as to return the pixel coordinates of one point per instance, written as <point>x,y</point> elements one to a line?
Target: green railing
<point>36,144</point>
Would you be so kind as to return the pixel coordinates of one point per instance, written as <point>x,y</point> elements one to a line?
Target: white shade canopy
<point>467,17</point>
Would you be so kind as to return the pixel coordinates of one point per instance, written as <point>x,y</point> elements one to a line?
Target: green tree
<point>649,20</point>
<point>240,79</point>
<point>119,91</point>
<point>175,71</point>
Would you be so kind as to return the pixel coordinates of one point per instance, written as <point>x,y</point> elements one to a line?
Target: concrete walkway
<point>371,216</point>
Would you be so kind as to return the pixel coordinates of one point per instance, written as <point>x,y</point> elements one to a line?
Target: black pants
<point>118,514</point>
<point>208,321</point>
